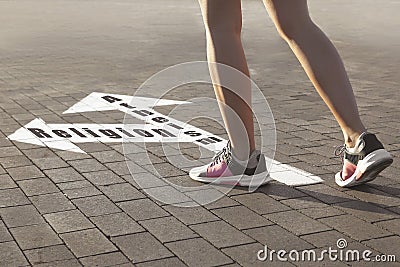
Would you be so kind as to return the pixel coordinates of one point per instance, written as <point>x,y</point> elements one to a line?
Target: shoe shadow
<point>365,203</point>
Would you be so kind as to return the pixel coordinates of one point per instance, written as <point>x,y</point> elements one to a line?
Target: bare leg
<point>223,23</point>
<point>320,60</point>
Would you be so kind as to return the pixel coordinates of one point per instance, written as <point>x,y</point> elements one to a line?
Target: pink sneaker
<point>225,169</point>
<point>362,163</point>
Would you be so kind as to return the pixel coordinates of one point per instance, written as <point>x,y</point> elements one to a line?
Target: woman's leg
<point>321,62</point>
<point>223,23</point>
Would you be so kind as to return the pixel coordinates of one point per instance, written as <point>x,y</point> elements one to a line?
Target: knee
<point>221,27</point>
<point>289,29</point>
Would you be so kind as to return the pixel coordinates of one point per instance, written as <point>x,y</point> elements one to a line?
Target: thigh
<point>221,14</point>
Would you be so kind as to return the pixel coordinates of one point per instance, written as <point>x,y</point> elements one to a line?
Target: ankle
<point>351,139</point>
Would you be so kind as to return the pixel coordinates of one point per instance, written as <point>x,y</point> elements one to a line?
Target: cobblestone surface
<point>59,208</point>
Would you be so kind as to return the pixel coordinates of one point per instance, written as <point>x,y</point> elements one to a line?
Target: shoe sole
<point>382,160</point>
<point>237,180</point>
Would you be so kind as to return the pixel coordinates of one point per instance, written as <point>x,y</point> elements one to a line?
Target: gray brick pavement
<point>59,208</point>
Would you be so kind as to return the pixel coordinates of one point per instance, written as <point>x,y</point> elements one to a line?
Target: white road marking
<point>157,128</point>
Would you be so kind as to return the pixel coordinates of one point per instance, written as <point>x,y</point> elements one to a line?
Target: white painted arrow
<point>157,128</point>
<point>96,102</point>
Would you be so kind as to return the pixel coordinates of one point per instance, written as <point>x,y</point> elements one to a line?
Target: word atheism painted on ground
<point>156,128</point>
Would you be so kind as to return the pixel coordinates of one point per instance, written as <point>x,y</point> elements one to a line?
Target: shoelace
<point>224,154</point>
<point>339,150</point>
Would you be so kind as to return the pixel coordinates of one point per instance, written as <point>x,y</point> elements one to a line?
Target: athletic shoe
<point>362,163</point>
<point>226,169</point>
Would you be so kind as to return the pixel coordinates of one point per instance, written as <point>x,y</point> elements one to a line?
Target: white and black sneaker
<point>363,162</point>
<point>226,169</point>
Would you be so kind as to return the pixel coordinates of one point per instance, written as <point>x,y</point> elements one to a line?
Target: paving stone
<point>68,221</point>
<point>20,216</point>
<point>283,158</point>
<point>326,194</point>
<point>68,155</point>
<point>121,192</point>
<point>11,255</point>
<point>96,205</point>
<point>221,234</point>
<point>354,227</point>
<point>316,170</point>
<point>366,211</point>
<point>184,184</point>
<point>48,254</point>
<point>62,263</point>
<point>50,203</point>
<point>280,191</point>
<point>168,262</point>
<point>276,237</point>
<point>374,196</point>
<point>6,182</point>
<point>168,229</point>
<point>87,165</point>
<point>87,242</point>
<point>317,213</point>
<point>63,175</point>
<point>116,224</point>
<point>393,189</point>
<point>2,170</point>
<point>144,180</point>
<point>108,156</point>
<point>198,252</point>
<point>109,259</point>
<point>167,194</point>
<point>38,186</point>
<point>39,153</point>
<point>74,185</point>
<point>119,168</point>
<point>210,197</point>
<point>35,236</point>
<point>192,215</point>
<point>291,150</point>
<point>49,163</point>
<point>142,159</point>
<point>222,202</point>
<point>300,225</point>
<point>390,225</point>
<point>166,170</point>
<point>4,234</point>
<point>386,245</point>
<point>9,151</point>
<point>12,197</point>
<point>125,265</point>
<point>4,142</point>
<point>237,190</point>
<point>261,203</point>
<point>93,147</point>
<point>304,203</point>
<point>241,217</point>
<point>142,209</point>
<point>141,247</point>
<point>15,161</point>
<point>25,172</point>
<point>310,136</point>
<point>326,239</point>
<point>103,177</point>
<point>246,255</point>
<point>81,192</point>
